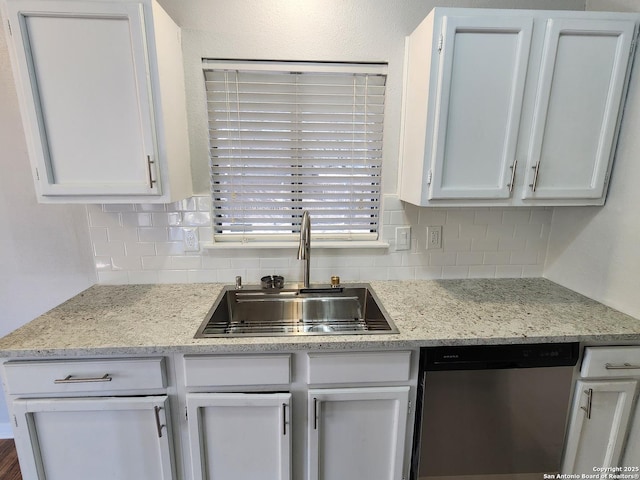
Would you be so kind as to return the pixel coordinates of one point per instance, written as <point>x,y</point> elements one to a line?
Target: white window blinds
<point>287,137</point>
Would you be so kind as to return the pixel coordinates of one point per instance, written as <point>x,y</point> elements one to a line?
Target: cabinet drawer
<point>69,376</point>
<point>359,367</point>
<point>611,362</point>
<point>232,370</point>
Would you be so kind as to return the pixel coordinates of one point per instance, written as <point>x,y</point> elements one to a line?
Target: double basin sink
<point>352,309</point>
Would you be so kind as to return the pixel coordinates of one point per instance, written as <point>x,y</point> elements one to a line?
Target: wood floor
<point>9,468</point>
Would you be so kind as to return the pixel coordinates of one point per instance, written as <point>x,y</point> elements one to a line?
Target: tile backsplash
<point>144,244</point>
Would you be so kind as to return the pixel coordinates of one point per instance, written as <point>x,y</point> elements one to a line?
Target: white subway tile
<point>98,234</point>
<point>450,244</point>
<point>205,234</point>
<point>442,258</point>
<point>126,263</point>
<point>172,276</point>
<point>511,244</point>
<point>508,271</point>
<point>274,263</point>
<point>164,219</point>
<point>143,277</point>
<point>98,218</point>
<point>482,271</point>
<point>460,215</point>
<point>136,219</point>
<point>455,271</point>
<point>176,234</point>
<point>396,259</point>
<point>169,248</point>
<point>108,249</point>
<point>401,217</point>
<point>524,258</point>
<point>371,274</point>
<point>488,216</point>
<point>500,231</point>
<point>468,230</point>
<point>186,262</point>
<point>153,234</point>
<point>215,262</point>
<point>139,249</point>
<point>102,263</point>
<point>469,258</point>
<point>156,263</point>
<point>202,276</point>
<point>513,216</point>
<point>541,215</point>
<point>532,271</point>
<point>229,276</point>
<point>432,216</point>
<point>122,234</point>
<point>484,244</point>
<point>417,259</point>
<point>497,258</point>
<point>245,262</point>
<point>528,230</point>
<point>401,273</point>
<point>428,273</point>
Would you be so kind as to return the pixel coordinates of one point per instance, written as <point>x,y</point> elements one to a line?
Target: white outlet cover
<point>190,239</point>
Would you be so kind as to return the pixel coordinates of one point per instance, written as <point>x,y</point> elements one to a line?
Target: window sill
<point>319,245</point>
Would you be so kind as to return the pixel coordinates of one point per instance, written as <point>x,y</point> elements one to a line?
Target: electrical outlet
<point>403,238</point>
<point>190,239</point>
<point>434,237</point>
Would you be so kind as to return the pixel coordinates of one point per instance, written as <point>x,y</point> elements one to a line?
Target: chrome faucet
<point>304,249</point>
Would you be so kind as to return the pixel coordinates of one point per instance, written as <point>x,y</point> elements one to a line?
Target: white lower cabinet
<point>598,425</point>
<point>240,436</point>
<point>603,430</point>
<point>357,433</point>
<point>123,438</point>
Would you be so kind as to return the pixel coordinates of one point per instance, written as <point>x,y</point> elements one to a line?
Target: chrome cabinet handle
<point>159,426</point>
<point>513,175</point>
<point>284,419</point>
<point>535,176</point>
<point>587,409</point>
<point>149,163</point>
<point>315,413</point>
<point>624,366</point>
<point>69,379</point>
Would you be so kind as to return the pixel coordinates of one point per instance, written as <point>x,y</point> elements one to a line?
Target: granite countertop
<point>162,319</point>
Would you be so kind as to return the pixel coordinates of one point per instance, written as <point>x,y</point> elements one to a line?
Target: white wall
<point>596,251</point>
<point>44,250</point>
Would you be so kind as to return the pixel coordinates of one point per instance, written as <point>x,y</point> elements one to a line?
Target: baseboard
<point>5,430</point>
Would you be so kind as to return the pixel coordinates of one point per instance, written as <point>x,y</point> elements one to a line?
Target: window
<point>287,137</point>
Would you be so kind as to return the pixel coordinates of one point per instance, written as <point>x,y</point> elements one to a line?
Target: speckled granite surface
<point>161,319</point>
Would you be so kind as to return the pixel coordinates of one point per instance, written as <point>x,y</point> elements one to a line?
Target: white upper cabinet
<point>513,107</point>
<point>477,121</point>
<point>101,88</point>
<point>579,97</point>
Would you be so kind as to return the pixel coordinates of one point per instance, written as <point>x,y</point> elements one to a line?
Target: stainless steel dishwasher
<point>492,411</point>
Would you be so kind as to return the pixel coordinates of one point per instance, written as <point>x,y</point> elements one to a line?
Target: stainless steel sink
<point>349,310</point>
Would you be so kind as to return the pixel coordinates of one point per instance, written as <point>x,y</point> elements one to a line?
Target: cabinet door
<point>125,438</point>
<point>579,100</point>
<point>84,76</point>
<point>598,425</point>
<point>631,457</point>
<point>240,436</point>
<point>483,64</point>
<point>357,433</point>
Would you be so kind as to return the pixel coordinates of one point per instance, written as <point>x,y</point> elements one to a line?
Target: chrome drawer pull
<point>69,379</point>
<point>587,409</point>
<point>624,366</point>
